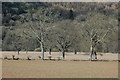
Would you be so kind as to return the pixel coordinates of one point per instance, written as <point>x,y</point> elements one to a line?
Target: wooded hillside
<point>64,26</point>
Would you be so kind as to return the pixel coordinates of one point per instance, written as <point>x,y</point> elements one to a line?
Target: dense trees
<point>60,27</point>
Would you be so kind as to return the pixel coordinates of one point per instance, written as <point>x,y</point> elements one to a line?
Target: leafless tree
<point>65,35</point>
<point>94,31</point>
<point>38,30</point>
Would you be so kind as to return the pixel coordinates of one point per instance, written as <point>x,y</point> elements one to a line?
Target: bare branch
<point>104,35</point>
<point>34,31</point>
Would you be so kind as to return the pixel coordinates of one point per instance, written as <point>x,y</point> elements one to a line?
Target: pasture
<point>56,55</point>
<point>73,66</point>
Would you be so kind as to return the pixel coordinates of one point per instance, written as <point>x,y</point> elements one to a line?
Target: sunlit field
<point>56,55</point>
<point>71,67</point>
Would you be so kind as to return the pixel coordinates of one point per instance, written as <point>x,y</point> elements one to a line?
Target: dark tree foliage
<point>17,17</point>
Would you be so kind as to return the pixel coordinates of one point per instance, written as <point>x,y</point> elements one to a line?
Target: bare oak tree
<point>38,31</point>
<point>95,30</point>
<point>17,43</point>
<point>65,35</point>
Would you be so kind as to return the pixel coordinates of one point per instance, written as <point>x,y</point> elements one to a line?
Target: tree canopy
<point>63,25</point>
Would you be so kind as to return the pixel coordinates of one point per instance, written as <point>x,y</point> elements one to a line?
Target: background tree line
<point>59,26</point>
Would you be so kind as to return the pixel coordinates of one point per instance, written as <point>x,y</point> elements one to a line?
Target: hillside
<point>17,18</point>
<point>13,11</point>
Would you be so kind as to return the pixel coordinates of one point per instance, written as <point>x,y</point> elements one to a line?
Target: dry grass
<point>55,55</point>
<point>59,69</point>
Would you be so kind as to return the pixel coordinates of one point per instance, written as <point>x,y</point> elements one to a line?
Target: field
<point>70,68</point>
<point>59,69</point>
<point>55,55</point>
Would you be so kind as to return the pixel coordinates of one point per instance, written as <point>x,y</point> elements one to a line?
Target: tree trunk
<point>42,44</point>
<point>91,53</point>
<point>42,51</point>
<point>63,53</point>
<point>75,52</point>
<point>26,50</point>
<point>50,51</point>
<point>13,57</point>
<point>95,55</point>
<point>18,52</point>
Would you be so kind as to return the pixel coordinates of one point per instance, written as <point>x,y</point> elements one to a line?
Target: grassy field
<point>72,67</point>
<point>55,55</point>
<point>59,69</point>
